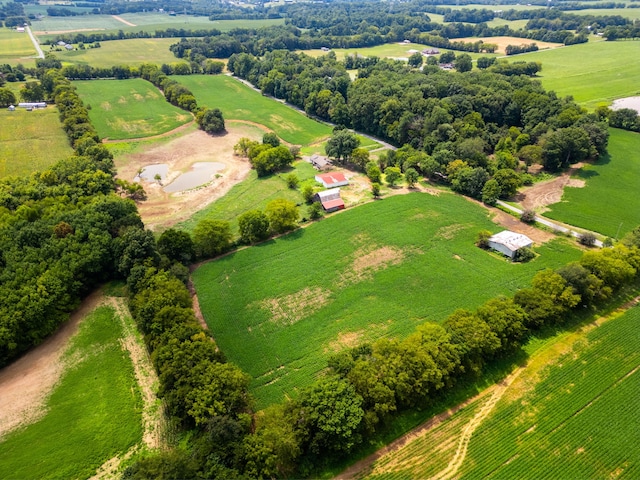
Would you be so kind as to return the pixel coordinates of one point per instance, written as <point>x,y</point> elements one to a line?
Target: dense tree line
<point>485,120</point>
<point>59,231</point>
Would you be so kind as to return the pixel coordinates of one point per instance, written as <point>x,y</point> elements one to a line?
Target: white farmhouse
<point>508,243</point>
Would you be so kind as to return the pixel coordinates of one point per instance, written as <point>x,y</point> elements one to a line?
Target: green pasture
<point>15,47</point>
<point>132,108</point>
<point>280,309</point>
<point>579,421</point>
<point>610,201</point>
<point>122,52</point>
<point>253,193</point>
<point>594,73</point>
<point>240,102</point>
<point>31,141</point>
<point>93,414</point>
<point>145,22</point>
<point>630,13</point>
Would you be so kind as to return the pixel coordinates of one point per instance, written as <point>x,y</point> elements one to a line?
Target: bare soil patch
<point>26,384</point>
<point>367,261</point>
<point>161,209</point>
<point>542,194</point>
<point>289,309</point>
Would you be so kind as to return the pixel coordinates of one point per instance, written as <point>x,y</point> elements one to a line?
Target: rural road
<point>555,226</point>
<point>294,107</point>
<point>35,42</point>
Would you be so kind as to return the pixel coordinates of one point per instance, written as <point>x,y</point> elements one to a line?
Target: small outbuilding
<point>319,161</point>
<point>508,243</point>
<point>32,105</point>
<point>332,179</point>
<point>330,200</point>
<point>12,108</point>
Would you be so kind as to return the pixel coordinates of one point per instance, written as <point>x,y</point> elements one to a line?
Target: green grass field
<point>92,415</point>
<point>15,47</point>
<point>31,141</point>
<point>134,108</point>
<point>594,73</point>
<point>252,193</point>
<point>609,203</point>
<point>146,22</point>
<point>239,102</point>
<point>281,308</point>
<point>578,421</point>
<point>122,52</point>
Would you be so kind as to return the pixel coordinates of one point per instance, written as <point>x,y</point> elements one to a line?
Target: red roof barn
<point>331,200</point>
<point>332,179</point>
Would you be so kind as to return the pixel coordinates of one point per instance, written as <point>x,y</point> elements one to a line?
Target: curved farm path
<point>27,383</point>
<point>120,19</point>
<point>152,137</point>
<point>467,433</point>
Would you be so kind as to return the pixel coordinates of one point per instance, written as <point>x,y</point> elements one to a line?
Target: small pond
<point>150,171</point>
<point>200,174</point>
<point>629,102</point>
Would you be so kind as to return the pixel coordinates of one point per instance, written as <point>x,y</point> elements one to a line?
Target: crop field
<point>14,46</point>
<point>594,73</point>
<point>31,141</point>
<point>609,203</point>
<point>378,270</point>
<point>80,23</point>
<point>123,52</point>
<point>240,102</point>
<point>133,108</point>
<point>579,420</point>
<point>92,415</point>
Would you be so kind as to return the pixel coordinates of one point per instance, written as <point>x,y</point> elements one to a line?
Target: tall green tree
<point>212,237</point>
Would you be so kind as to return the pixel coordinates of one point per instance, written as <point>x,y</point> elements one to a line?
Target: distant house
<point>430,51</point>
<point>20,29</point>
<point>332,180</point>
<point>60,43</point>
<point>68,47</point>
<point>32,105</point>
<point>330,200</point>
<point>325,49</point>
<point>508,243</point>
<point>319,161</point>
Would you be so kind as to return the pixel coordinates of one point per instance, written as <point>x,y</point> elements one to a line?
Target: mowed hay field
<point>237,101</point>
<point>14,46</point>
<point>578,418</point>
<point>123,52</point>
<point>280,309</point>
<point>31,141</point>
<point>594,73</point>
<point>610,201</point>
<point>133,108</point>
<point>504,42</point>
<point>93,414</point>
